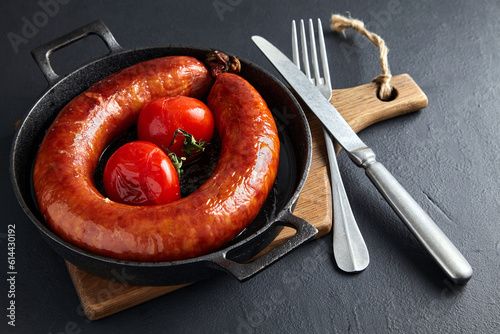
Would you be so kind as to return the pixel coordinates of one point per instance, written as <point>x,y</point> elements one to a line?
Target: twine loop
<point>341,23</point>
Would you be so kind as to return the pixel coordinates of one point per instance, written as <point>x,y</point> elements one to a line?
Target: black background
<point>447,157</point>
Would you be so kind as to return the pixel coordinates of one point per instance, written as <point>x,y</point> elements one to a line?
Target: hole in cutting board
<point>392,97</point>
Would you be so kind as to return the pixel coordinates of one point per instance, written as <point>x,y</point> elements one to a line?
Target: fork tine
<point>295,45</point>
<point>324,58</point>
<point>314,56</point>
<point>305,57</point>
<point>349,248</point>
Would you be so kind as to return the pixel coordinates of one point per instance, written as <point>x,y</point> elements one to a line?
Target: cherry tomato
<point>141,173</point>
<point>160,120</point>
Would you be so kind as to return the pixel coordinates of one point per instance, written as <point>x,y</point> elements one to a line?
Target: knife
<point>416,219</point>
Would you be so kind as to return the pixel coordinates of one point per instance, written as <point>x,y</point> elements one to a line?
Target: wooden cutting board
<point>359,106</point>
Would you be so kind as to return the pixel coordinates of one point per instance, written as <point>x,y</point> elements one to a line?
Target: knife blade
<point>325,111</point>
<point>416,219</point>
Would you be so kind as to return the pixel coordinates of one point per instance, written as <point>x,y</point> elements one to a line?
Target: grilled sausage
<point>192,226</point>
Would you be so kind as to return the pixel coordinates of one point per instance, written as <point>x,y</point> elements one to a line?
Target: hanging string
<point>340,23</point>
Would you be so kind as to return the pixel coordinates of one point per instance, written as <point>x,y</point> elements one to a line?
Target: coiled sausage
<point>192,226</point>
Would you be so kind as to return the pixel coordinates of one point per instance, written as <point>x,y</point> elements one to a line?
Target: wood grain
<point>358,105</point>
<point>361,107</point>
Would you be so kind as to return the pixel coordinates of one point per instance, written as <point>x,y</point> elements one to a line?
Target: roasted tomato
<point>182,125</point>
<point>141,173</point>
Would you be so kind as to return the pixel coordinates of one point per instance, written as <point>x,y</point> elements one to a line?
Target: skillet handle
<point>41,54</point>
<point>305,232</point>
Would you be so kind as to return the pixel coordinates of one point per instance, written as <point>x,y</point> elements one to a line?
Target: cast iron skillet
<point>295,159</point>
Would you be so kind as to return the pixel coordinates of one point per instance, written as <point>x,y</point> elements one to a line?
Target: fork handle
<point>349,248</point>
<point>416,219</point>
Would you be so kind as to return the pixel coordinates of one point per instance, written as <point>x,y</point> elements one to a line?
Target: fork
<point>349,248</point>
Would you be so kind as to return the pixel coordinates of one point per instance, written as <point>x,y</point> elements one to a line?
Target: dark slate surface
<point>446,156</point>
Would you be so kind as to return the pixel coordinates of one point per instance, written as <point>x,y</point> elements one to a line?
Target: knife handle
<point>416,219</point>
